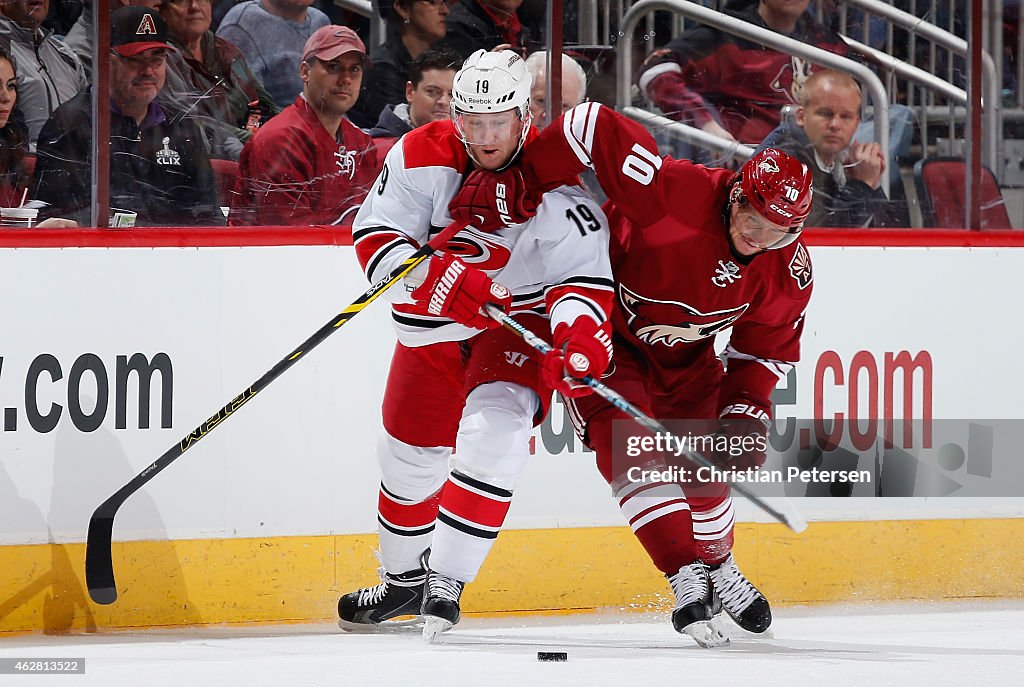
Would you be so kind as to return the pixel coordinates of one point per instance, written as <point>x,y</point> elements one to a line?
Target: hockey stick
<point>792,519</point>
<point>99,565</point>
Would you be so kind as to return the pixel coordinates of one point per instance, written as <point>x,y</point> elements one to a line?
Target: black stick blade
<point>99,565</point>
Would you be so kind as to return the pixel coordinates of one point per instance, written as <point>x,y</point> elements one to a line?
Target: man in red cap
<point>310,164</point>
<point>159,168</point>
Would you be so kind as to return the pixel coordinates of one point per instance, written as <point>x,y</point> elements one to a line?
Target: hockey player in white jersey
<point>457,380</point>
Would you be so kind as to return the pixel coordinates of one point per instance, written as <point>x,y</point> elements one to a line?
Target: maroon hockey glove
<point>458,291</point>
<point>491,201</point>
<point>580,349</point>
<point>742,438</point>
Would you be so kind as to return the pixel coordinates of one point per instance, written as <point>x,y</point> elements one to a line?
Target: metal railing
<point>869,81</point>
<point>992,129</point>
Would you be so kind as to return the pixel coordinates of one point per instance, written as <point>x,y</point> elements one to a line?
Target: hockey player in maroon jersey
<point>456,378</point>
<point>694,251</point>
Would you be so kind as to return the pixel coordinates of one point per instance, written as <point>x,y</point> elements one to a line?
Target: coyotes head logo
<point>672,322</point>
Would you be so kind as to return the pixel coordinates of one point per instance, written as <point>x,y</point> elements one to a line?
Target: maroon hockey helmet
<point>778,187</point>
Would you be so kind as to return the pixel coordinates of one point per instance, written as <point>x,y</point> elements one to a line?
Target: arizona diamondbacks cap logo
<point>671,322</point>
<point>146,27</point>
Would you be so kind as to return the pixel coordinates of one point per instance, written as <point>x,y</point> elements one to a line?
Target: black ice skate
<point>741,599</point>
<point>440,604</point>
<point>377,607</point>
<point>696,605</point>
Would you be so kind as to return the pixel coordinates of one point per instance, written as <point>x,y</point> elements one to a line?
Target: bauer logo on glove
<point>579,364</point>
<point>580,349</point>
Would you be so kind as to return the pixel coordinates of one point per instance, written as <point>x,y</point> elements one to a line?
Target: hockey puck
<point>552,656</point>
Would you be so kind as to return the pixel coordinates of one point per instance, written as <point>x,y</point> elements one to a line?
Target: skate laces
<point>444,587</point>
<point>368,596</point>
<point>690,584</point>
<point>735,590</point>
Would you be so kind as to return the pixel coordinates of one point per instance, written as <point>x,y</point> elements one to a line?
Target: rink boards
<point>112,355</point>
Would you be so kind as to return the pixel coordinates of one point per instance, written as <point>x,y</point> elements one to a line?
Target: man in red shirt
<point>694,251</point>
<point>310,164</point>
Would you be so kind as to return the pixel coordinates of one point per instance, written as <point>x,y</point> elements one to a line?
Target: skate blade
<point>706,634</point>
<point>434,626</point>
<point>412,624</point>
<point>728,627</point>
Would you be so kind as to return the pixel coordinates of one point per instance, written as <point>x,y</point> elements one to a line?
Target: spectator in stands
<point>159,168</point>
<point>309,164</point>
<point>209,79</point>
<point>476,24</point>
<point>847,174</point>
<point>14,144</point>
<point>271,33</point>
<point>729,86</point>
<point>574,86</point>
<point>412,27</point>
<point>429,95</point>
<point>62,15</point>
<point>574,92</point>
<point>49,73</point>
<point>79,38</point>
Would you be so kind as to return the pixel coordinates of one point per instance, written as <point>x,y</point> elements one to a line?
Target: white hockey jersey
<point>556,263</point>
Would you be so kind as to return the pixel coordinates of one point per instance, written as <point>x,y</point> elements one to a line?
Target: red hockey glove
<point>493,200</point>
<point>458,291</point>
<point>580,349</point>
<point>742,439</point>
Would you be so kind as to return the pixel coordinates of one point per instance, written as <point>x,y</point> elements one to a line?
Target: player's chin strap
<point>787,515</point>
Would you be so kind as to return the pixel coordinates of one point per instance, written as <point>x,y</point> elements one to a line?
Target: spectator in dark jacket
<point>429,95</point>
<point>476,24</point>
<point>412,27</point>
<point>209,79</point>
<point>159,168</point>
<point>847,174</point>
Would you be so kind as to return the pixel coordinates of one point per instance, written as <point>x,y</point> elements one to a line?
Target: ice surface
<point>908,645</point>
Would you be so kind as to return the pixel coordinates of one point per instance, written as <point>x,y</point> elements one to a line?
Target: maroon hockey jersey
<point>292,171</point>
<point>678,283</point>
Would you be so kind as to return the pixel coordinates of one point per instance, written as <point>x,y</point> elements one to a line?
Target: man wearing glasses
<point>159,168</point>
<point>310,164</point>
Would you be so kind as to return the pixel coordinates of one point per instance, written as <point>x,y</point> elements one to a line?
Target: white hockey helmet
<point>492,82</point>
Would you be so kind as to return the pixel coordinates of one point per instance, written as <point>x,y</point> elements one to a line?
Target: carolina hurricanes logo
<point>669,322</point>
<point>800,267</point>
<point>481,250</point>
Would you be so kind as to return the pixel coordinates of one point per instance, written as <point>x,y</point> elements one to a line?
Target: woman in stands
<point>14,143</point>
<point>413,26</point>
<point>209,78</point>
